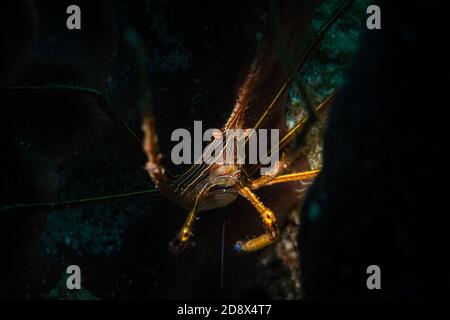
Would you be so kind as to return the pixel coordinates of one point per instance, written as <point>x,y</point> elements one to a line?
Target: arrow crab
<point>206,187</point>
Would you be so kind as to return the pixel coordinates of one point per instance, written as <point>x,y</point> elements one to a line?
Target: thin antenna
<point>69,204</point>
<point>95,94</point>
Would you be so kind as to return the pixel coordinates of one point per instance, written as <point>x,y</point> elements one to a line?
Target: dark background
<point>381,197</point>
<point>60,146</point>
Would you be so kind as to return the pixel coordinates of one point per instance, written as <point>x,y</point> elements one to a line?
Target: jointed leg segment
<point>297,176</point>
<point>267,216</point>
<point>269,221</point>
<point>182,239</point>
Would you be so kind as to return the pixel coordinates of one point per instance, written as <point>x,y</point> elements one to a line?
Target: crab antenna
<point>298,128</point>
<point>307,120</point>
<point>314,43</point>
<point>96,95</point>
<point>70,204</point>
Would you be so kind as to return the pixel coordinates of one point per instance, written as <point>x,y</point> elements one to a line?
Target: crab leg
<point>268,218</point>
<point>315,41</point>
<point>297,176</point>
<point>153,166</point>
<point>181,241</point>
<point>296,130</point>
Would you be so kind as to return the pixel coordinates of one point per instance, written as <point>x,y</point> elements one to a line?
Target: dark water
<point>61,146</point>
<point>58,146</point>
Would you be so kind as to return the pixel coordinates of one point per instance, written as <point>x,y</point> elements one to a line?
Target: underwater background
<point>360,211</point>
